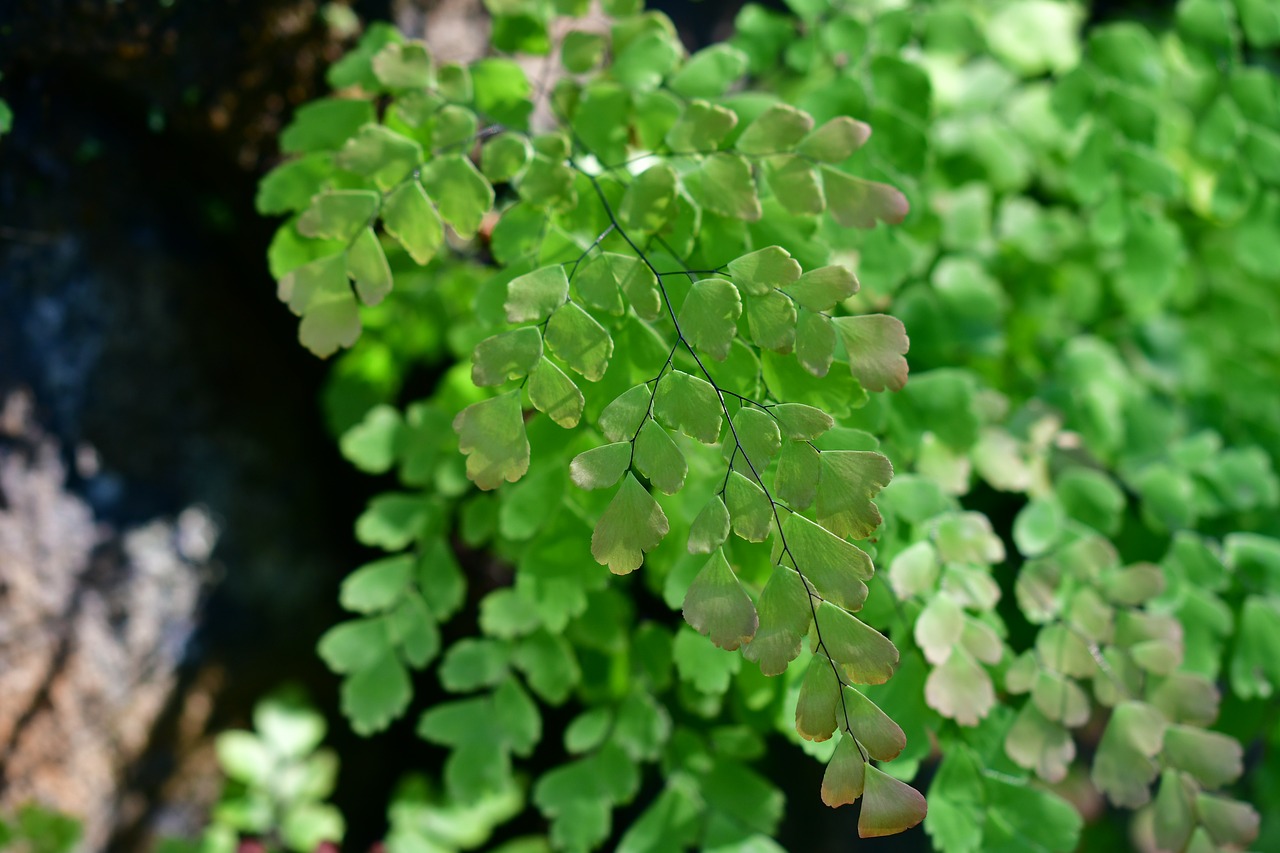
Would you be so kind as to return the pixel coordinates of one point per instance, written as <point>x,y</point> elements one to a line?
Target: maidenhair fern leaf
<point>718,606</point>
<point>632,525</point>
<point>491,434</point>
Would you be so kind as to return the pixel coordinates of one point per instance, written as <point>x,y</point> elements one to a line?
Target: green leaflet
<point>580,341</point>
<point>709,316</point>
<point>847,482</point>
<point>858,203</point>
<point>710,528</point>
<point>722,183</point>
<point>409,216</point>
<point>319,293</point>
<point>555,394</point>
<point>836,569</point>
<point>632,525</point>
<point>845,777</point>
<point>862,653</point>
<point>509,355</point>
<point>650,200</point>
<point>888,806</point>
<point>778,129</point>
<point>771,320</point>
<point>688,404</point>
<point>659,459</point>
<point>764,270</point>
<point>491,434</point>
<point>380,153</point>
<point>338,214</point>
<point>819,701</point>
<point>461,193</point>
<point>824,288</point>
<point>701,127</point>
<point>718,606</point>
<point>785,615</point>
<point>835,140</point>
<point>367,267</point>
<point>533,296</point>
<point>749,508</point>
<point>876,344</point>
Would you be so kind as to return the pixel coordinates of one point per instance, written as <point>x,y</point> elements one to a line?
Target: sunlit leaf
<point>532,297</point>
<point>864,654</point>
<point>601,467</point>
<point>491,434</point>
<point>688,404</point>
<point>578,339</point>
<point>709,316</point>
<point>710,528</point>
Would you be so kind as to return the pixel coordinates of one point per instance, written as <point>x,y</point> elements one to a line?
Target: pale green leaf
<point>864,654</point>
<point>882,737</point>
<point>764,270</point>
<point>701,127</point>
<point>845,776</point>
<point>888,806</point>
<point>403,65</point>
<point>461,193</point>
<point>795,184</point>
<point>847,482</point>
<point>716,605</point>
<point>835,140</point>
<point>960,689</point>
<point>377,585</point>
<point>771,320</point>
<point>819,701</point>
<point>338,214</point>
<point>504,356</point>
<point>492,436</point>
<point>836,569</point>
<point>800,422</point>
<point>815,342</point>
<point>621,419</point>
<point>722,183</point>
<point>709,316</point>
<point>555,394</point>
<point>650,200</point>
<point>504,156</point>
<point>580,341</point>
<point>779,128</point>
<point>796,482</point>
<point>785,616</point>
<point>688,404</point>
<point>659,459</point>
<point>380,153</point>
<point>709,72</point>
<point>876,344</point>
<point>749,508</point>
<point>632,525</point>
<point>858,203</point>
<point>367,267</point>
<point>601,467</point>
<point>710,528</point>
<point>532,297</point>
<point>824,288</point>
<point>410,217</point>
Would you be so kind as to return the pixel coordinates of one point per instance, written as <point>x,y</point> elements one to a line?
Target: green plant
<point>657,265</point>
<point>34,829</point>
<point>278,779</point>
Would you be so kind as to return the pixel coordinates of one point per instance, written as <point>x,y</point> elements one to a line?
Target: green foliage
<point>278,778</point>
<point>33,829</point>
<point>696,284</point>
